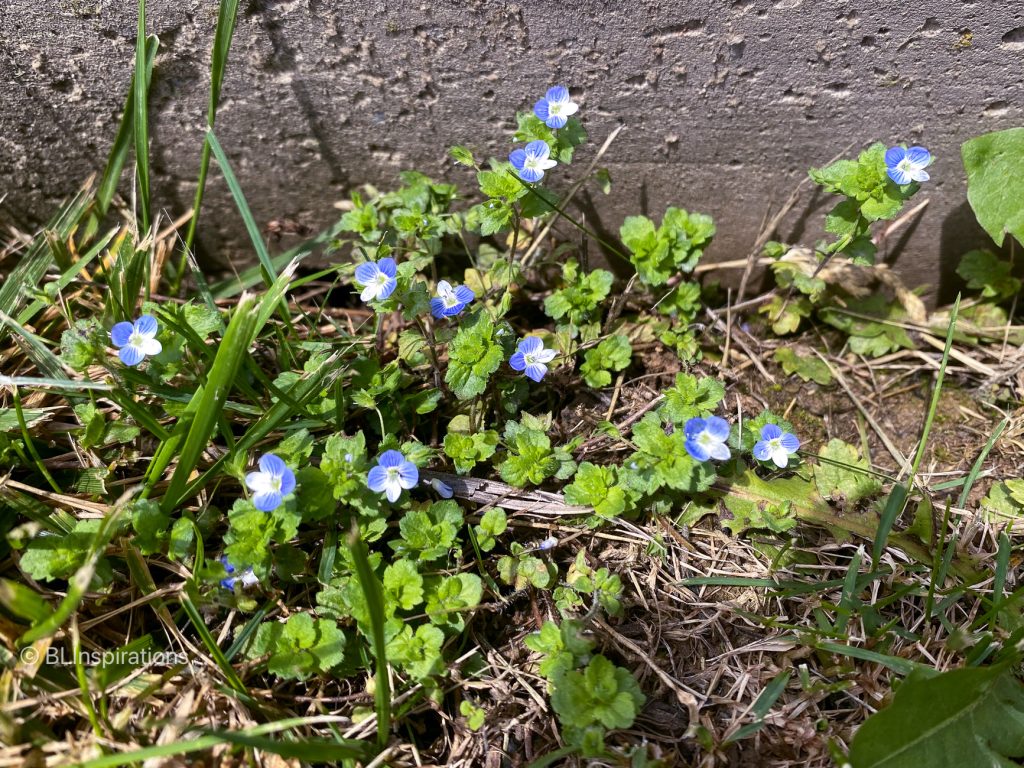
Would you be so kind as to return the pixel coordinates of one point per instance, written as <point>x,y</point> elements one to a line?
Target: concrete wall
<point>726,104</point>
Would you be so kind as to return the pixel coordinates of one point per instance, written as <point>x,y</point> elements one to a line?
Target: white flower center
<point>449,298</point>
<point>531,358</point>
<point>532,163</point>
<point>905,165</point>
<point>393,474</point>
<point>380,280</point>
<point>555,108</point>
<point>275,483</point>
<point>136,339</point>
<point>706,439</point>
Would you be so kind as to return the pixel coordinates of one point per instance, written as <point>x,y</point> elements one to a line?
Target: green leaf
<point>473,355</point>
<point>530,458</point>
<point>674,247</point>
<point>500,184</point>
<point>995,182</point>
<point>429,532</point>
<point>842,481</point>
<point>403,584</point>
<point>300,647</point>
<point>785,315</point>
<point>807,365</point>
<point>601,694</point>
<point>450,597</point>
<point>419,652</point>
<point>612,354</point>
<point>48,556</point>
<point>466,451</point>
<point>963,718</point>
<point>597,487</point>
<point>691,397</point>
<point>462,155</point>
<point>492,524</point>
<point>581,295</point>
<point>985,271</point>
<point>151,526</point>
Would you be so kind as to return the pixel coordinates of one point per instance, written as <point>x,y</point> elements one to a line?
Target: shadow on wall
<point>961,233</point>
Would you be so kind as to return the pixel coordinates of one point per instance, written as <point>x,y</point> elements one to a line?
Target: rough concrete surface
<point>726,104</point>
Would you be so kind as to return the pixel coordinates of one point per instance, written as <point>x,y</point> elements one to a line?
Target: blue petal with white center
<point>271,484</point>
<point>532,358</point>
<point>776,445</point>
<point>906,165</point>
<point>247,577</point>
<point>378,279</point>
<point>531,161</point>
<point>706,438</point>
<point>136,340</point>
<point>392,475</point>
<point>556,107</point>
<point>450,300</point>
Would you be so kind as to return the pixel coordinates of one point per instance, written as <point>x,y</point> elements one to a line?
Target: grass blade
<point>221,46</point>
<point>898,498</point>
<point>140,118</point>
<point>375,604</point>
<point>119,151</point>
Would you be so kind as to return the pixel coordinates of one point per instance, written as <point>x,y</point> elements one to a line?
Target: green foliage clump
<point>612,354</point>
<point>659,253</point>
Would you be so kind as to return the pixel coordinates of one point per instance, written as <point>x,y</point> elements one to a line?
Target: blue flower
<point>531,162</point>
<point>392,474</point>
<point>377,278</point>
<point>556,107</point>
<point>443,489</point>
<point>248,578</point>
<point>705,438</point>
<point>136,340</point>
<point>450,301</point>
<point>271,484</point>
<point>906,165</point>
<point>776,445</point>
<point>531,356</point>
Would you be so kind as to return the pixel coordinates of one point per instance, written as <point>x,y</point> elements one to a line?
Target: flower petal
<point>780,456</point>
<point>258,482</point>
<point>267,501</point>
<point>287,482</point>
<point>545,355</point>
<point>391,458</point>
<point>762,450</point>
<point>464,294</point>
<point>130,355</point>
<point>718,428</point>
<point>272,465</point>
<point>546,164</point>
<point>771,431</point>
<point>454,309</point>
<point>899,176</point>
<point>408,475</point>
<point>437,308</point>
<point>147,326</point>
<point>919,174</point>
<point>540,109</point>
<point>518,158</point>
<point>120,333</point>
<point>696,450</point>
<point>388,267</point>
<point>387,289</point>
<point>376,479</point>
<point>444,288</point>
<point>531,175</point>
<point>538,148</point>
<point>919,156</point>
<point>151,347</point>
<point>517,361</point>
<point>894,156</point>
<point>720,452</point>
<point>790,442</point>
<point>570,109</point>
<point>536,371</point>
<point>530,345</point>
<point>366,272</point>
<point>693,428</point>
<point>557,93</point>
<point>556,121</point>
<point>392,490</point>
